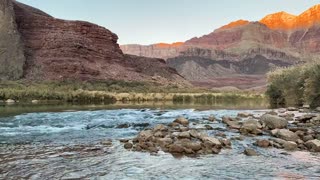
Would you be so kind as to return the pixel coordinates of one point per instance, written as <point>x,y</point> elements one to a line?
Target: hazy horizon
<point>147,22</point>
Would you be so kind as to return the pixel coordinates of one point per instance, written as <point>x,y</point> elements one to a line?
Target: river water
<point>68,142</point>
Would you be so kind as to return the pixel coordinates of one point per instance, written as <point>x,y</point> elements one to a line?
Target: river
<point>68,142</point>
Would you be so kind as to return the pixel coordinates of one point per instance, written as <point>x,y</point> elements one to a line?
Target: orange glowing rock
<point>166,45</point>
<point>309,17</point>
<point>235,24</point>
<point>285,21</point>
<point>280,20</point>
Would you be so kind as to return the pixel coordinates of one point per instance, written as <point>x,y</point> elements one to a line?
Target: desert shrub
<point>295,86</point>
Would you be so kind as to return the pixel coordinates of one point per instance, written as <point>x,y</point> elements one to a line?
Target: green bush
<point>295,86</point>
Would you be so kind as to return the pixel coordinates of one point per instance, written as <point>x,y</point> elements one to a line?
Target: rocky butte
<point>36,46</point>
<point>241,53</point>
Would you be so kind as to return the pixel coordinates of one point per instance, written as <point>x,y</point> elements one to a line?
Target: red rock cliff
<point>57,49</point>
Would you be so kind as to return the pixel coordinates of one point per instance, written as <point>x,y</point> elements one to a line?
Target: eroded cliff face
<point>12,58</point>
<point>45,48</point>
<point>278,40</point>
<point>160,50</point>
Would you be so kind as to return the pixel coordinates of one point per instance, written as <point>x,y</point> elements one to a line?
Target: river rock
<point>292,109</point>
<point>176,148</point>
<point>160,134</point>
<point>316,120</point>
<point>208,127</point>
<point>212,118</point>
<point>194,133</point>
<point>184,135</point>
<point>169,139</point>
<point>164,142</point>
<point>313,145</point>
<point>305,118</point>
<point>35,101</point>
<point>213,141</point>
<point>290,145</point>
<point>244,114</point>
<point>123,126</point>
<point>128,145</point>
<point>264,143</point>
<point>306,106</point>
<point>250,152</point>
<point>160,127</point>
<point>251,126</point>
<point>307,138</point>
<point>281,110</point>
<point>106,142</point>
<point>231,123</point>
<point>285,135</point>
<point>9,101</point>
<point>273,122</point>
<point>183,121</point>
<point>145,135</point>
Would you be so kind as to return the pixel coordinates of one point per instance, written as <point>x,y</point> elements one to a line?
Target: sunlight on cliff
<point>166,45</point>
<point>285,21</point>
<point>235,24</point>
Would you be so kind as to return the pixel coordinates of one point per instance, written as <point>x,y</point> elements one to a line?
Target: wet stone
<point>128,145</point>
<point>250,152</point>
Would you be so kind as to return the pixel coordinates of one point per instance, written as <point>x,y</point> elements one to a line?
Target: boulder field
<point>285,129</point>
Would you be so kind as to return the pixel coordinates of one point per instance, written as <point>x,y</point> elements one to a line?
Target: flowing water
<point>68,142</point>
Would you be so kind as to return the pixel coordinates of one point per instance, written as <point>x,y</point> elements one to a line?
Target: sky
<point>153,21</point>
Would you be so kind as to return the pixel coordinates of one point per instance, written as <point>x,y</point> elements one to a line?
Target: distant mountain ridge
<point>278,37</point>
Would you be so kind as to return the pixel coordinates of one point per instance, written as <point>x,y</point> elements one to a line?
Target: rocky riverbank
<point>290,129</point>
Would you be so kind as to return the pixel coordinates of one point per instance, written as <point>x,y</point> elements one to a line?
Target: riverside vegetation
<point>297,86</point>
<point>112,91</point>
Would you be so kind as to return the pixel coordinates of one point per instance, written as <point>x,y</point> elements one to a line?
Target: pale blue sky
<point>152,21</point>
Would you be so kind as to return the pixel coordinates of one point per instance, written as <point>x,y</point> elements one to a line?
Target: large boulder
<point>290,145</point>
<point>313,145</point>
<point>181,120</point>
<point>273,122</point>
<point>251,126</point>
<point>285,135</point>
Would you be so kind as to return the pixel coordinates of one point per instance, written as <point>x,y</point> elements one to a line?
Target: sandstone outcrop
<point>12,57</point>
<point>46,48</point>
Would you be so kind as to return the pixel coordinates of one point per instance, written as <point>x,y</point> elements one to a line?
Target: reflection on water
<point>13,109</point>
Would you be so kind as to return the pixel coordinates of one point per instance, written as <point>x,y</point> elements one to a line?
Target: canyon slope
<point>36,46</point>
<point>240,54</point>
